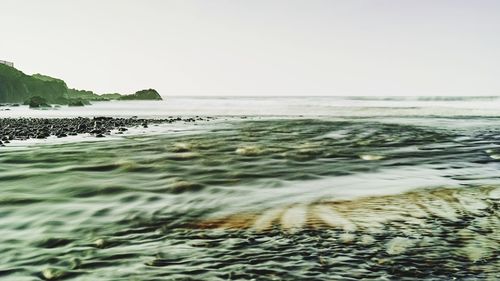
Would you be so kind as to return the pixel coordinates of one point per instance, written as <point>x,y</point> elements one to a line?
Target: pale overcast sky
<point>259,47</point>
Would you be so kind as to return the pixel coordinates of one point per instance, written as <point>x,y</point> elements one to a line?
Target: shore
<point>100,127</point>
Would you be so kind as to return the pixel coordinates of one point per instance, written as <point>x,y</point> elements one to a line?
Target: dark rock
<point>36,102</point>
<point>26,128</point>
<point>76,103</point>
<point>149,94</point>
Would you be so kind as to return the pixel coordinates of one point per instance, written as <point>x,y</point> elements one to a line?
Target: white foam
<point>495,193</point>
<point>471,204</point>
<point>333,218</point>
<point>266,220</point>
<point>369,157</point>
<point>441,209</point>
<point>294,218</point>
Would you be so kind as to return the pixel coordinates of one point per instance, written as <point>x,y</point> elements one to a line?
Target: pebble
<point>42,128</point>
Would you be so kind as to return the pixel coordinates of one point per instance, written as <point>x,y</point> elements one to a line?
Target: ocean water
<point>271,189</point>
<point>277,106</point>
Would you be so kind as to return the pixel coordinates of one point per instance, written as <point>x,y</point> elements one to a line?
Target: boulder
<point>36,102</point>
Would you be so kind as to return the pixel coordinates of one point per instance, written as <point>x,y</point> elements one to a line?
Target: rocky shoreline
<point>42,128</point>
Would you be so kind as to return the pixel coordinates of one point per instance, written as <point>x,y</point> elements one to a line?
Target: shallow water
<point>258,198</point>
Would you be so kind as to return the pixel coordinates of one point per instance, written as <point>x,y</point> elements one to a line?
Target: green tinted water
<point>274,199</point>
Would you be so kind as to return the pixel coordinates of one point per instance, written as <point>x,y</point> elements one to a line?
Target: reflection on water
<point>304,199</point>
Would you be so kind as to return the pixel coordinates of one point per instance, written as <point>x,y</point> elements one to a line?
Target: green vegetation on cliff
<point>149,94</point>
<point>112,96</point>
<point>85,95</point>
<point>17,87</point>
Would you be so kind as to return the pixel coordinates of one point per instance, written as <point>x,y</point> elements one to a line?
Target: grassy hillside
<point>73,94</point>
<point>17,87</point>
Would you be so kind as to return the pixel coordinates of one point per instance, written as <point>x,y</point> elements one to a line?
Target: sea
<point>270,188</point>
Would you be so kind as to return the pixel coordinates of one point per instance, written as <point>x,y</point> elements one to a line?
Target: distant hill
<point>112,96</point>
<point>17,87</point>
<point>149,94</point>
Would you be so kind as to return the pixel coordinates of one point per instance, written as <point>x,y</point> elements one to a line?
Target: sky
<point>259,47</point>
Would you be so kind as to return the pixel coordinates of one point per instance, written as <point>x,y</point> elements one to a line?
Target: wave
<point>416,210</point>
<point>421,98</point>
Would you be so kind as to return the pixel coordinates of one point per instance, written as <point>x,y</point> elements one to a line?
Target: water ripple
<point>271,199</point>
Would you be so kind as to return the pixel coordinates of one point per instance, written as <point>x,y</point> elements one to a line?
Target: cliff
<point>17,87</point>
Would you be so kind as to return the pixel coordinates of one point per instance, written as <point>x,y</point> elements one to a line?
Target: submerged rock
<point>52,274</point>
<point>399,245</point>
<point>250,150</point>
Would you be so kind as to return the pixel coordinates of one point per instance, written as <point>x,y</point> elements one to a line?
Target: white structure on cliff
<point>11,64</point>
